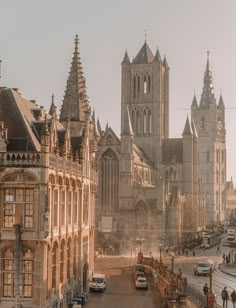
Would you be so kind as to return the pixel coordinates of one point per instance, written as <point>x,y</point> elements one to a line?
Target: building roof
<point>24,121</point>
<point>144,55</point>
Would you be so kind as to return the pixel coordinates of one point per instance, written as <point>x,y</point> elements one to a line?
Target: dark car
<point>81,298</point>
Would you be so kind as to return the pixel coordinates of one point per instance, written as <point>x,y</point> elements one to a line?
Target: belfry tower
<point>145,91</point>
<point>209,118</point>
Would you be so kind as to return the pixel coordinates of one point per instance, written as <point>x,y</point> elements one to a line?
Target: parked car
<point>81,297</point>
<point>138,268</point>
<point>139,274</point>
<point>98,283</point>
<point>75,303</point>
<point>141,283</point>
<point>201,268</point>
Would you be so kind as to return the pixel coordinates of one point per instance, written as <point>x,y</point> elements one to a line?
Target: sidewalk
<point>229,270</point>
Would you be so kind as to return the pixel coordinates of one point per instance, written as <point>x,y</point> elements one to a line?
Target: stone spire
<point>126,59</point>
<point>75,104</point>
<point>165,63</point>
<point>187,129</point>
<point>157,56</point>
<point>208,96</point>
<point>221,102</point>
<point>99,127</point>
<point>127,129</point>
<point>194,102</point>
<point>144,55</point>
<point>53,108</point>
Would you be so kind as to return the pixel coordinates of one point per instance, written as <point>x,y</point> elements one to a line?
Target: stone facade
<point>209,117</point>
<point>230,196</point>
<point>149,189</point>
<point>48,182</point>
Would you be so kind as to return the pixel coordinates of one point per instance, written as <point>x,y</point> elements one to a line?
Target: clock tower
<point>209,118</point>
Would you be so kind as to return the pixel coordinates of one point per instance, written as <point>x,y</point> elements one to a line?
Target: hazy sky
<point>37,43</point>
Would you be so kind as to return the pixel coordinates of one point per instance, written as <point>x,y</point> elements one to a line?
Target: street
<point>121,291</point>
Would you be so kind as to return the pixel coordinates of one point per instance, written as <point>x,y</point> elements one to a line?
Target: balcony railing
<point>20,159</point>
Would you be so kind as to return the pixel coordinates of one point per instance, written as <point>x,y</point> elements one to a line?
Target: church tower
<point>209,118</point>
<point>145,91</point>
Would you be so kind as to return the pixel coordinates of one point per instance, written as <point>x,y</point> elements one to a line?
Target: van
<point>98,283</point>
<point>231,235</point>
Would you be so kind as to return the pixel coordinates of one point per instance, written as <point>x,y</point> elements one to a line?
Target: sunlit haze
<point>37,42</point>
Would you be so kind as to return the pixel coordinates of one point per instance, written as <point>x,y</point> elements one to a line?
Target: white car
<point>201,268</point>
<point>141,283</point>
<point>98,283</point>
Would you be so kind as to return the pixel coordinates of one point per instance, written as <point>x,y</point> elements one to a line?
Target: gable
<point>109,138</point>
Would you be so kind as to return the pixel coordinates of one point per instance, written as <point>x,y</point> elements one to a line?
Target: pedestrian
<point>193,253</point>
<point>183,250</point>
<point>218,249</point>
<point>180,273</point>
<point>227,260</point>
<point>225,297</point>
<point>186,252</point>
<point>233,297</point>
<point>205,289</point>
<point>223,257</point>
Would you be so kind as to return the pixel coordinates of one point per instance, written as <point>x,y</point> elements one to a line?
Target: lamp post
<point>139,240</point>
<point>172,262</point>
<point>211,296</point>
<point>160,248</point>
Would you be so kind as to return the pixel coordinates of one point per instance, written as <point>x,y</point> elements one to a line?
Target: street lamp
<point>160,248</point>
<point>172,262</point>
<point>140,240</point>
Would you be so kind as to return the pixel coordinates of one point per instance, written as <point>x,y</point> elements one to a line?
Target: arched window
<point>222,177</point>
<point>137,128</point>
<point>85,204</point>
<point>217,177</point>
<point>62,261</point>
<point>145,121</point>
<point>109,179</point>
<point>55,207</point>
<point>149,121</point>
<point>208,156</point>
<point>134,86</point>
<point>222,156</point>
<point>138,84</point>
<point>149,83</point>
<point>75,207</point>
<point>54,265</point>
<point>63,208</point>
<point>217,156</point>
<point>68,259</point>
<point>217,198</point>
<point>69,200</point>
<point>145,85</point>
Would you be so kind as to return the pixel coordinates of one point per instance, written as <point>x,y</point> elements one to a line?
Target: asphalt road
<point>121,291</point>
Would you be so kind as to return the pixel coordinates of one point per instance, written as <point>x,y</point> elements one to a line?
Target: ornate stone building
<point>48,182</point>
<point>149,187</point>
<point>210,124</point>
<point>230,200</point>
